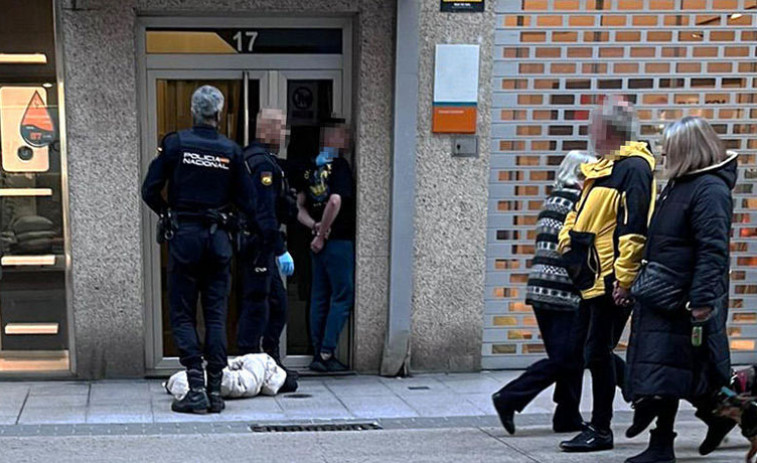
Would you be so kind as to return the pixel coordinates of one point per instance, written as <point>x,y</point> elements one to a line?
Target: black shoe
<point>290,384</point>
<point>195,401</point>
<point>506,412</point>
<point>318,365</point>
<point>645,411</point>
<point>216,404</point>
<point>334,366</point>
<point>717,429</point>
<point>590,440</point>
<point>660,450</point>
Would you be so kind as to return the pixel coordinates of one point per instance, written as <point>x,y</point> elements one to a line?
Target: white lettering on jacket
<point>206,160</point>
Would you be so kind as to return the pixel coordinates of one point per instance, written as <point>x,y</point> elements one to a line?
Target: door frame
<point>273,71</point>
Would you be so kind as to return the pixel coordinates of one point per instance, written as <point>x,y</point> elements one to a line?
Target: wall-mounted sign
<point>455,89</point>
<point>453,6</point>
<point>27,129</point>
<point>312,41</point>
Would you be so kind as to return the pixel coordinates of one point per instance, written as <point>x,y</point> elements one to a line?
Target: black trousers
<point>263,313</point>
<point>199,266</point>
<point>563,333</point>
<point>606,324</point>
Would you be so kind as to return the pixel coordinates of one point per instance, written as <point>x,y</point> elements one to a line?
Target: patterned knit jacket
<point>549,286</point>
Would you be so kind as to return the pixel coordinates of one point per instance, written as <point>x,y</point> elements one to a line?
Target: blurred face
<point>336,137</point>
<point>271,127</point>
<point>604,139</point>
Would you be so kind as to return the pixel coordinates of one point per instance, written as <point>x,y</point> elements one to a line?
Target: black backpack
<point>286,197</point>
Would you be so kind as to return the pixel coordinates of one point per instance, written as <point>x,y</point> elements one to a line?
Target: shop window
<point>548,52</point>
<point>533,349</point>
<point>34,322</point>
<point>537,204</point>
<point>508,205</point>
<point>503,264</point>
<point>642,52</point>
<point>674,52</point>
<point>676,20</point>
<point>510,115</point>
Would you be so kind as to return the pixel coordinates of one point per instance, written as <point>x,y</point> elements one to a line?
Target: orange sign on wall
<point>454,119</point>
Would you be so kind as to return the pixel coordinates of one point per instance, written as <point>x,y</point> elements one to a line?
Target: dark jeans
<point>563,333</point>
<point>199,265</point>
<point>332,293</point>
<point>263,313</point>
<point>606,323</point>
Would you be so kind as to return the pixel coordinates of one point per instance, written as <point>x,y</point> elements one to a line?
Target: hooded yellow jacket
<point>615,207</point>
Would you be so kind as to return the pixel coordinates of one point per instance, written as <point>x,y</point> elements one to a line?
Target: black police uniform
<point>263,313</point>
<point>205,174</point>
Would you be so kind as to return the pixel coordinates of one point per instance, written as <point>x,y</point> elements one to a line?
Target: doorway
<point>309,90</point>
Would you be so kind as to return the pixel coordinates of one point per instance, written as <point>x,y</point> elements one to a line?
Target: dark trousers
<point>606,323</point>
<point>199,266</point>
<point>332,293</point>
<point>563,333</point>
<point>263,312</point>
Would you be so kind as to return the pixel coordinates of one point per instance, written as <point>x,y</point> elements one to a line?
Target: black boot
<point>645,411</point>
<point>196,400</point>
<point>505,411</point>
<point>214,392</point>
<point>717,429</point>
<point>660,449</point>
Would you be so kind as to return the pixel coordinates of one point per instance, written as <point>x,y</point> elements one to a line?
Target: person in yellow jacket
<point>602,243</point>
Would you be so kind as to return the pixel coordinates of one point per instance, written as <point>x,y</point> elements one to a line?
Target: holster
<point>167,226</point>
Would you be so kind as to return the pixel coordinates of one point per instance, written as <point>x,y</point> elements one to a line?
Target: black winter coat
<point>689,233</point>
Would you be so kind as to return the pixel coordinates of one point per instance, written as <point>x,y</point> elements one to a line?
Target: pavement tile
<point>56,415</point>
<point>378,407</point>
<point>357,387</point>
<point>59,388</point>
<point>57,401</point>
<point>119,414</point>
<point>467,384</point>
<point>8,419</point>
<point>443,405</point>
<point>119,393</point>
<point>482,401</point>
<point>422,384</point>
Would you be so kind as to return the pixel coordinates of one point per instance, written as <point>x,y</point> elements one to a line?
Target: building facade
<point>443,242</point>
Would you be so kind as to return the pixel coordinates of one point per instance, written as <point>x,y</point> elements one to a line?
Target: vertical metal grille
<point>553,61</point>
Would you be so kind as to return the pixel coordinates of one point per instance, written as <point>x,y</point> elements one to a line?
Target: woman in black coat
<point>684,353</point>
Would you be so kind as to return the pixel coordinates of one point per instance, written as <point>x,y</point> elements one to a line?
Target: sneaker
<point>334,366</point>
<point>505,412</point>
<point>590,440</point>
<point>318,365</point>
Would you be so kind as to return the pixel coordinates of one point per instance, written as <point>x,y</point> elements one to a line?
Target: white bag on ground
<point>246,376</point>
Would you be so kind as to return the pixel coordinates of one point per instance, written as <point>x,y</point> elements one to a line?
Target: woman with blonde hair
<point>679,345</point>
<point>556,305</point>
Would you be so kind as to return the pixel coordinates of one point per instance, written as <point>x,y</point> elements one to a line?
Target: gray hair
<point>207,104</point>
<point>619,115</point>
<point>691,144</point>
<point>569,172</point>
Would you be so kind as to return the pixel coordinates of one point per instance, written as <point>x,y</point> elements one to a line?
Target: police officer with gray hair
<point>205,175</point>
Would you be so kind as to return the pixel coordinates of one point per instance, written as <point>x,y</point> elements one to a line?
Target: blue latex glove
<point>326,156</point>
<point>286,264</point>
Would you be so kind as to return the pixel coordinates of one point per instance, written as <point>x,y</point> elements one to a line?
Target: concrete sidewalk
<point>428,418</point>
<point>338,398</point>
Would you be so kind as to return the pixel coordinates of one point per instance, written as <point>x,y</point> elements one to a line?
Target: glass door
<point>169,93</point>
<point>308,98</point>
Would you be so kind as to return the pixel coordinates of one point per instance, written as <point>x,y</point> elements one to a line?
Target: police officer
<point>263,312</point>
<point>205,173</point>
